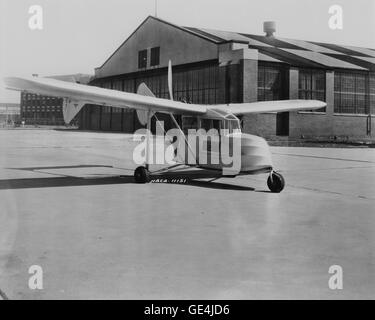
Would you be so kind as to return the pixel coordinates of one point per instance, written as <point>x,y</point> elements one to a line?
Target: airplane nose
<point>255,153</point>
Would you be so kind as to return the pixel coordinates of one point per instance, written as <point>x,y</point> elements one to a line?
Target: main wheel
<point>141,175</point>
<point>276,182</point>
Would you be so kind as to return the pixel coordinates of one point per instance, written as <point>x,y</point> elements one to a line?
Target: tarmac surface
<point>96,235</point>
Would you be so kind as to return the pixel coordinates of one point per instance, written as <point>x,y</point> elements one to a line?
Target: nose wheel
<point>142,175</point>
<point>275,182</point>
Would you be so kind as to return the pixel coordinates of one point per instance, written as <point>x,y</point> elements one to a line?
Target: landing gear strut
<point>141,175</point>
<point>275,182</point>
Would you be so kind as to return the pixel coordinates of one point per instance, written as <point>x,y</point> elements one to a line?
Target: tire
<point>141,175</point>
<point>276,182</point>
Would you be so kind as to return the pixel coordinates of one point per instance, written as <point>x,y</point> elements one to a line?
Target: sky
<point>79,35</point>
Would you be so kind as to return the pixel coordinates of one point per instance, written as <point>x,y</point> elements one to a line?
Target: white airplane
<point>255,154</point>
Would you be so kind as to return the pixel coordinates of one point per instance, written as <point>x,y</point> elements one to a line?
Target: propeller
<point>170,88</point>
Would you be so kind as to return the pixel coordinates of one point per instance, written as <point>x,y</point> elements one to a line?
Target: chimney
<point>269,27</point>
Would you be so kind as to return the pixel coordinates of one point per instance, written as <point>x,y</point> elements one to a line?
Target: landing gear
<point>141,175</point>
<point>275,182</point>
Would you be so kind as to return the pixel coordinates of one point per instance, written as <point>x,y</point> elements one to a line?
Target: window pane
<point>351,92</point>
<point>312,85</point>
<point>142,59</point>
<point>360,84</point>
<point>155,56</point>
<point>269,83</point>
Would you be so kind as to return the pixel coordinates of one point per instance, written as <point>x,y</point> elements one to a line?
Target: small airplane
<point>255,154</point>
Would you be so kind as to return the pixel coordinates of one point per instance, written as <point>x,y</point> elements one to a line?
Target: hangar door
<point>273,85</point>
<point>282,124</point>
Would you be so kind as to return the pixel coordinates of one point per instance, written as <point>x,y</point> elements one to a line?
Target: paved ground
<point>99,236</point>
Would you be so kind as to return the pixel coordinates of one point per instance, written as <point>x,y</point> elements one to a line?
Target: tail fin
<point>70,109</point>
<point>144,91</point>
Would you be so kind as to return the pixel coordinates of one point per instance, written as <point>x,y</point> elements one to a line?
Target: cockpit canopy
<point>228,122</point>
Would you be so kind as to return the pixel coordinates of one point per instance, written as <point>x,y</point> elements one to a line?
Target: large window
<point>196,85</point>
<point>312,85</point>
<point>128,85</point>
<point>351,93</point>
<point>117,85</point>
<point>142,59</point>
<point>269,83</point>
<point>155,56</point>
<point>372,93</point>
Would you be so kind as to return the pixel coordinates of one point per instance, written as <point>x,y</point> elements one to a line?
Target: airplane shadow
<point>53,182</point>
<point>218,185</point>
<point>62,167</point>
<point>71,181</point>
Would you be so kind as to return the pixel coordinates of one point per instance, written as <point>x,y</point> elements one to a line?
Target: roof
<point>300,53</point>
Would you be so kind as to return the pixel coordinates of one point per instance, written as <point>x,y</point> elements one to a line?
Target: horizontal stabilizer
<point>70,109</point>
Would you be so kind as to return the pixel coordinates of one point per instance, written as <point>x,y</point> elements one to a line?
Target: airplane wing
<point>77,95</point>
<point>268,106</point>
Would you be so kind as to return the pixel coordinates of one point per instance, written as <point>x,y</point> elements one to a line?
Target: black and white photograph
<point>162,150</point>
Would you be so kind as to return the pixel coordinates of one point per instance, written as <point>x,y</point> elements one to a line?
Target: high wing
<point>77,95</point>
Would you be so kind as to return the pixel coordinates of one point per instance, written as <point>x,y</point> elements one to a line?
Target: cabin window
<point>232,125</point>
<point>189,123</point>
<point>155,56</point>
<point>142,59</point>
<point>208,124</point>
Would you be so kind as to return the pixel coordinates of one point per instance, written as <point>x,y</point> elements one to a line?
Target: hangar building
<point>9,114</point>
<point>211,67</point>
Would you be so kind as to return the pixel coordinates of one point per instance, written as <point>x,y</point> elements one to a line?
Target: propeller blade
<point>170,88</point>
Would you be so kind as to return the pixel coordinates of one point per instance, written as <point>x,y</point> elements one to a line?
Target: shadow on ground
<point>189,178</point>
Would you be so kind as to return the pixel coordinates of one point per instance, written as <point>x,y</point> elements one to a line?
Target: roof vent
<point>269,27</point>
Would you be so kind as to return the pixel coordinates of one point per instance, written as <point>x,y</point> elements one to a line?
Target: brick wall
<point>352,126</point>
<point>309,124</point>
<point>263,125</point>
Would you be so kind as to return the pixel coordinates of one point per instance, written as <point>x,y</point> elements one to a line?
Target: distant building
<point>9,114</point>
<point>212,67</point>
<point>44,110</point>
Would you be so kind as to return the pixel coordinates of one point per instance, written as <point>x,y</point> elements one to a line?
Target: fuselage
<point>248,154</point>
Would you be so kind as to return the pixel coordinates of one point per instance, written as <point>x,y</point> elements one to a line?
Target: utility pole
<point>156,8</point>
